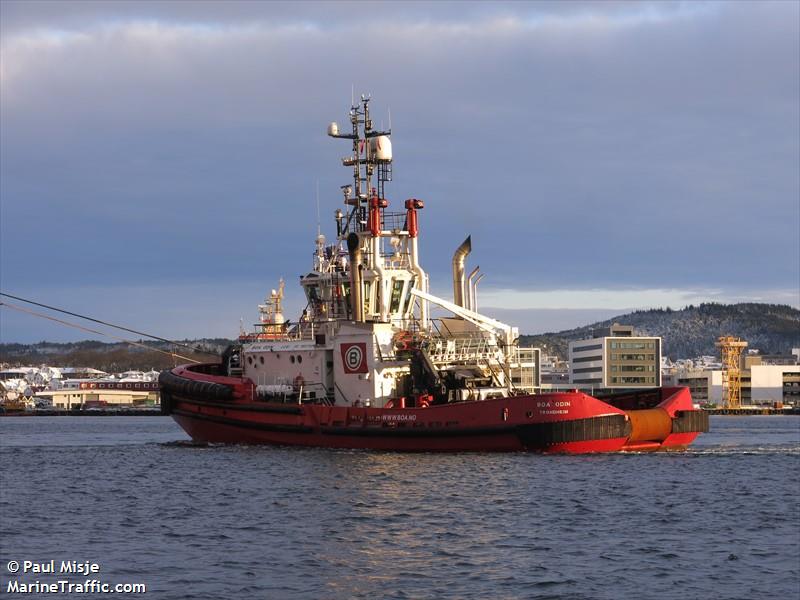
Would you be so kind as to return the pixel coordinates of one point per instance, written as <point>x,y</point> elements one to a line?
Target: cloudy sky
<point>159,161</point>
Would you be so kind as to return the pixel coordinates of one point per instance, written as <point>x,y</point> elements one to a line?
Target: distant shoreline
<point>132,412</point>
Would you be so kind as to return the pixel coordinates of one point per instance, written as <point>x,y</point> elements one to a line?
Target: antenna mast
<point>319,228</point>
<point>371,161</point>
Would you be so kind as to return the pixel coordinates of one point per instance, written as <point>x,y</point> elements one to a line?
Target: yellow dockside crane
<point>731,349</point>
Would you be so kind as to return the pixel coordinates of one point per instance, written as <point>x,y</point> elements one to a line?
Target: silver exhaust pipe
<point>459,258</point>
<point>474,305</point>
<point>469,299</point>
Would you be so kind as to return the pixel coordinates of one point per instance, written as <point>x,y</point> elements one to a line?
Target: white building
<point>74,399</point>
<point>761,384</point>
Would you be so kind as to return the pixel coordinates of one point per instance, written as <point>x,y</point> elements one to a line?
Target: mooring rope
<point>90,330</point>
<point>106,323</point>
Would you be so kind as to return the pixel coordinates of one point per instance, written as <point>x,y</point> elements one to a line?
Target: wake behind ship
<point>367,365</point>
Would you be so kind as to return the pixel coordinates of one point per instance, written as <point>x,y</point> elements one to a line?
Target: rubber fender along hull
<point>175,384</point>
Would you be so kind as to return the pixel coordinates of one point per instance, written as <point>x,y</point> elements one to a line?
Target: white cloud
<point>597,17</point>
<point>164,31</point>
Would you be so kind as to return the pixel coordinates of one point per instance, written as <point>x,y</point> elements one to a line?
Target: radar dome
<point>381,148</point>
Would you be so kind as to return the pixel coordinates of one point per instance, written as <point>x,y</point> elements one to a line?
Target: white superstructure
<point>366,336</point>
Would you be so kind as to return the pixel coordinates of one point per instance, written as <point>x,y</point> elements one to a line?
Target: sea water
<point>133,501</point>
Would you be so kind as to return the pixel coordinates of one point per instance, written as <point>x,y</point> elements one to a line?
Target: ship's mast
<point>377,277</point>
<point>371,161</point>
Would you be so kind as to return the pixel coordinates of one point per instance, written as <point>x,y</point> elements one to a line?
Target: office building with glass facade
<point>615,358</point>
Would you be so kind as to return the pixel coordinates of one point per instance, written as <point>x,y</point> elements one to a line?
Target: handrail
<point>286,391</point>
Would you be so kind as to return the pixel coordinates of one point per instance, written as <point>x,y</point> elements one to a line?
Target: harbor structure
<point>731,350</point>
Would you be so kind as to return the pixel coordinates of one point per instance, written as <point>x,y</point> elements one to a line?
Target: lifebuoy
<point>298,383</point>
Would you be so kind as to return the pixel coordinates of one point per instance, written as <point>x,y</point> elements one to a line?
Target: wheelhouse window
<point>312,292</point>
<point>367,297</point>
<point>397,295</point>
<point>408,303</point>
<point>345,297</point>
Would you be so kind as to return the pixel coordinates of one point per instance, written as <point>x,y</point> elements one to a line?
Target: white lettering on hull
<point>399,417</point>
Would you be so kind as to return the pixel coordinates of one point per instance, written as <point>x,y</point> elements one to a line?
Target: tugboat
<point>368,366</point>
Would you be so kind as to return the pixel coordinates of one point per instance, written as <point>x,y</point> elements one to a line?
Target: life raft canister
<point>403,340</point>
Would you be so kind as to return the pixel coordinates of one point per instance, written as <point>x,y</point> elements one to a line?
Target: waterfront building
<point>615,358</point>
<point>761,385</point>
<point>755,358</point>
<point>554,371</point>
<point>525,372</point>
<point>109,395</point>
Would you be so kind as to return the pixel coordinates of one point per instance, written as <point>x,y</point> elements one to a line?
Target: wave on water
<point>188,444</point>
<point>791,450</point>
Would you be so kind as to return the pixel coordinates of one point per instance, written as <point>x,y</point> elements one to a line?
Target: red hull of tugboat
<point>217,409</point>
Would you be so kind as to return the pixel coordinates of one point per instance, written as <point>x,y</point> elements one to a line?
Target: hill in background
<point>115,357</point>
<point>693,331</point>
